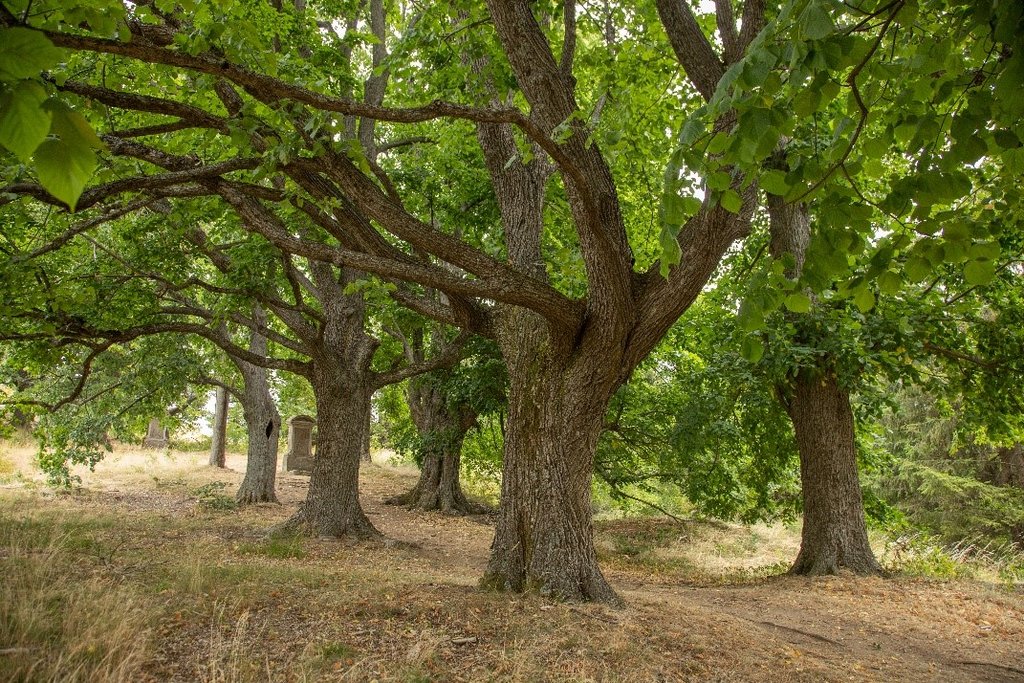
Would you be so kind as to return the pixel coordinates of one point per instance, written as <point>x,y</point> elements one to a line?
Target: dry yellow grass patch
<point>60,621</point>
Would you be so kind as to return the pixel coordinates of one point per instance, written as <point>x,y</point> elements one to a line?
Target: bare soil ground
<point>204,594</point>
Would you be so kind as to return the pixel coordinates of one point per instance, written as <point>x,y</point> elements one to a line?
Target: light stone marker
<point>299,457</point>
<point>156,436</point>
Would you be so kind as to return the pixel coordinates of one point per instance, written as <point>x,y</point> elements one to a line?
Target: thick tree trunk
<point>332,505</point>
<point>342,383</point>
<point>218,442</point>
<point>442,431</point>
<point>263,425</point>
<point>544,536</point>
<point>834,535</point>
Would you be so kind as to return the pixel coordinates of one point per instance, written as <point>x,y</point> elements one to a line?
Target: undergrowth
<point>919,554</point>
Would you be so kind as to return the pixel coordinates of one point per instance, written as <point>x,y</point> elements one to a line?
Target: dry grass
<point>133,578</point>
<point>62,619</point>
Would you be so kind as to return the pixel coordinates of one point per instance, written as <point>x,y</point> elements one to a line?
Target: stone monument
<point>299,457</point>
<point>156,436</point>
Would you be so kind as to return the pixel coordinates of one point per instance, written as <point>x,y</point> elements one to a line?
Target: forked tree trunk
<point>342,383</point>
<point>544,537</point>
<point>442,431</point>
<point>263,425</point>
<point>834,533</point>
<point>218,441</point>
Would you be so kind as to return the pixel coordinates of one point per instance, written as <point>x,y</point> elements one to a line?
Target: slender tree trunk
<point>834,532</point>
<point>442,431</point>
<point>218,442</point>
<point>544,534</point>
<point>263,425</point>
<point>366,440</point>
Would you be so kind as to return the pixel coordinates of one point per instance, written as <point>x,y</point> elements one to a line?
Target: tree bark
<point>544,534</point>
<point>365,455</point>
<point>834,533</point>
<point>332,507</point>
<point>218,442</point>
<point>342,383</point>
<point>442,429</point>
<point>262,421</point>
<point>263,425</point>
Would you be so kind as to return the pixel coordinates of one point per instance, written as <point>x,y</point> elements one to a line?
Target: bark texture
<point>218,442</point>
<point>263,425</point>
<point>834,536</point>
<point>544,533</point>
<point>342,383</point>
<point>442,429</point>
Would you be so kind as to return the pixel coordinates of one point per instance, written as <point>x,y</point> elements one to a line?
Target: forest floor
<point>145,573</point>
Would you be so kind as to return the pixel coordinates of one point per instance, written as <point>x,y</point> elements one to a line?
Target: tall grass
<point>58,623</point>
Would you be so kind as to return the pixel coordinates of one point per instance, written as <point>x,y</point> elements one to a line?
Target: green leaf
<point>751,316</point>
<point>774,182</point>
<point>73,128</point>
<point>64,169</point>
<point>889,282</point>
<point>731,201</point>
<point>798,302</point>
<point>676,209</point>
<point>864,299</point>
<point>752,349</point>
<point>918,269</point>
<point>23,122</point>
<point>1006,139</point>
<point>806,102</point>
<point>719,180</point>
<point>980,272</point>
<point>817,22</point>
<point>670,251</point>
<point>24,53</point>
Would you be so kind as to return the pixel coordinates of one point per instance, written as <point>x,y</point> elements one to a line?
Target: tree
<point>443,407</point>
<point>218,439</point>
<point>566,355</point>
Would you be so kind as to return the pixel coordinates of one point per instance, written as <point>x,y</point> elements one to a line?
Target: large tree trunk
<point>834,533</point>
<point>342,384</point>
<point>544,534</point>
<point>442,430</point>
<point>218,442</point>
<point>332,505</point>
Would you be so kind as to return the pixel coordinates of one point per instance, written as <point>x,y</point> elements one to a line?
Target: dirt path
<point>845,627</point>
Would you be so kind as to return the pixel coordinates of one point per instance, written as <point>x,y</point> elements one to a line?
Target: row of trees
<point>356,192</point>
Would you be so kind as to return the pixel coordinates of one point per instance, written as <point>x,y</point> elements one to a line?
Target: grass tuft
<point>275,547</point>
